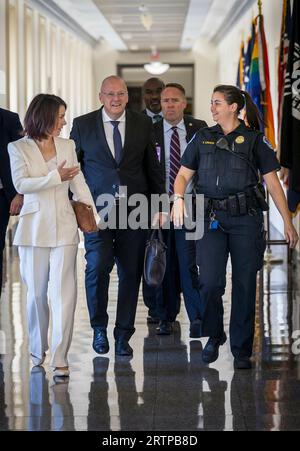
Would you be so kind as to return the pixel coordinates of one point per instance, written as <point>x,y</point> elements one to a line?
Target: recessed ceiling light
<point>134,47</point>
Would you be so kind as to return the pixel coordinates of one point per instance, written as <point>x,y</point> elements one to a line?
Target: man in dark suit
<point>10,201</point>
<point>172,135</point>
<point>151,90</point>
<point>116,148</point>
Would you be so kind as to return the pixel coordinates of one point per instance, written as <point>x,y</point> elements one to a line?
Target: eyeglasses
<point>111,95</point>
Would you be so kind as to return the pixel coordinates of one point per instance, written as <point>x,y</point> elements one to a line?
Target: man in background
<point>172,135</point>
<point>10,201</point>
<point>151,90</point>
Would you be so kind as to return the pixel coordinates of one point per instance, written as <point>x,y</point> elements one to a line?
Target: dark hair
<point>233,94</point>
<point>153,80</point>
<point>177,86</point>
<point>41,115</point>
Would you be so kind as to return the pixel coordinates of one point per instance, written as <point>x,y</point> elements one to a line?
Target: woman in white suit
<point>44,169</point>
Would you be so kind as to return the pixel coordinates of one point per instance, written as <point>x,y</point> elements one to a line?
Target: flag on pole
<point>290,125</point>
<point>240,74</point>
<point>259,80</point>
<point>255,85</point>
<point>248,55</point>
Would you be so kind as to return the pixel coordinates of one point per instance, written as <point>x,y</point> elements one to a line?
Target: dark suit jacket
<point>10,130</point>
<point>139,168</point>
<point>192,126</point>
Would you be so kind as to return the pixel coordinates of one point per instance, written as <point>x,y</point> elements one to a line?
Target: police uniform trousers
<point>242,238</point>
<point>54,268</point>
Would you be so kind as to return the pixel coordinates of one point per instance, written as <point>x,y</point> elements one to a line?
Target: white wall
<point>104,64</point>
<point>43,56</point>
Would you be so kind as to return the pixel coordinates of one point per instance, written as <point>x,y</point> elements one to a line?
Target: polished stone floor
<point>165,386</point>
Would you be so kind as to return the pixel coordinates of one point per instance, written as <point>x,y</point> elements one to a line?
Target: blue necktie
<point>117,141</point>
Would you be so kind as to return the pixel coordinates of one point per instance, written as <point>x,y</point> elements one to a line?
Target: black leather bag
<point>155,259</point>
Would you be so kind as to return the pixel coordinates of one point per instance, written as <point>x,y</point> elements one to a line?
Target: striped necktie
<point>174,158</point>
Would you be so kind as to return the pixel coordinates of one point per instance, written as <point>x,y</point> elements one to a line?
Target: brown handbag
<point>84,216</point>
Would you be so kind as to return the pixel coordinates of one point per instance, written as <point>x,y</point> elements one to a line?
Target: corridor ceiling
<point>176,24</point>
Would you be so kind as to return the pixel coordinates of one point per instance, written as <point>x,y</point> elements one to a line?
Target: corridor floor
<point>165,386</point>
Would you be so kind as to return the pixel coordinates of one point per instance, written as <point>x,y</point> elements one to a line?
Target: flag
<point>240,74</point>
<point>266,90</point>
<point>248,55</point>
<point>282,62</point>
<point>254,85</point>
<point>259,80</point>
<point>290,125</point>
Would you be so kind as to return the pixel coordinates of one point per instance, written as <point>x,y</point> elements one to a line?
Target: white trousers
<point>43,267</point>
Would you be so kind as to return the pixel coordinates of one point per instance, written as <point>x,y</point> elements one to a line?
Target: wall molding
<point>52,11</point>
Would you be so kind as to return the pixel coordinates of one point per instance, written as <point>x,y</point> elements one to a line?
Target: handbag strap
<point>157,234</point>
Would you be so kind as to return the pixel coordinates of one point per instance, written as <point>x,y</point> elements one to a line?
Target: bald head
<point>114,96</point>
<point>113,79</point>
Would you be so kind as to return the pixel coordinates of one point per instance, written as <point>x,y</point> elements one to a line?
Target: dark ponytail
<point>232,95</point>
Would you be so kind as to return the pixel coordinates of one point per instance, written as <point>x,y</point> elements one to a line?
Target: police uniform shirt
<point>219,173</point>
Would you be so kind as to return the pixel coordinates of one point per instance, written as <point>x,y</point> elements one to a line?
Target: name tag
<point>208,142</point>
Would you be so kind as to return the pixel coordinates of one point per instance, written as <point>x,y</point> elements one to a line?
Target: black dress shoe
<point>152,320</point>
<point>195,328</point>
<point>164,328</point>
<point>242,363</point>
<point>100,341</point>
<point>122,347</point>
<point>211,351</point>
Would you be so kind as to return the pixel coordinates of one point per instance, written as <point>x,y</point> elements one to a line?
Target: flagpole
<point>259,4</point>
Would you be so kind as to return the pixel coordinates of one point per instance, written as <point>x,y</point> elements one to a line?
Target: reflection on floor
<point>165,386</point>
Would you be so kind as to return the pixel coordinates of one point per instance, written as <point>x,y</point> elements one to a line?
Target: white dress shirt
<point>1,186</point>
<point>109,130</point>
<point>150,114</point>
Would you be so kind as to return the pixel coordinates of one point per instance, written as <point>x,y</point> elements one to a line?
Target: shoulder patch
<point>265,140</point>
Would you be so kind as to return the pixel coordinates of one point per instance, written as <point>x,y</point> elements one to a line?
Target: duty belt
<point>237,205</point>
<point>216,204</point>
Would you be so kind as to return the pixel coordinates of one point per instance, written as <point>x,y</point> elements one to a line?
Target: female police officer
<point>227,159</point>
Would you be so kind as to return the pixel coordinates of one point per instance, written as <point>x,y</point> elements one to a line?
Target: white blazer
<point>47,218</point>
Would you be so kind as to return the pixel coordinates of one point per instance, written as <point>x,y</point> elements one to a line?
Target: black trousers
<point>4,218</point>
<point>243,239</point>
<point>126,248</point>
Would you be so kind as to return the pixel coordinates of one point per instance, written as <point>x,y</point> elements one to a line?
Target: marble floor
<point>165,386</point>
